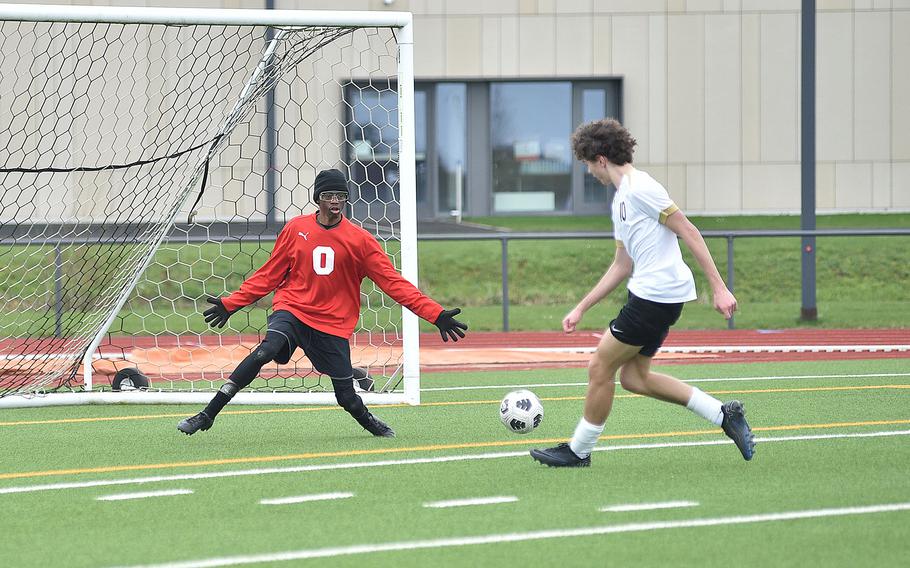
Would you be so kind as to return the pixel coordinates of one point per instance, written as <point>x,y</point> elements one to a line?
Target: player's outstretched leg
<point>242,376</point>
<point>193,424</point>
<point>560,456</point>
<point>377,427</point>
<point>349,400</point>
<point>736,427</point>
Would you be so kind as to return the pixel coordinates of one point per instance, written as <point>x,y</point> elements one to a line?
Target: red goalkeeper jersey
<point>316,275</point>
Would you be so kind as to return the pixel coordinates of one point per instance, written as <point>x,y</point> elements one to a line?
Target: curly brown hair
<point>607,138</point>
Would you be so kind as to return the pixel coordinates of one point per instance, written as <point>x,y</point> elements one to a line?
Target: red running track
<point>831,339</point>
<point>685,338</point>
<point>481,349</point>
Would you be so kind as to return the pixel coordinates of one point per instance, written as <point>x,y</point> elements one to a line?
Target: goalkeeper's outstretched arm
<point>381,271</point>
<point>261,283</point>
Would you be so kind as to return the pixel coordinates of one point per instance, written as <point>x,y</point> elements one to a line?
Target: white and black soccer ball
<point>521,411</point>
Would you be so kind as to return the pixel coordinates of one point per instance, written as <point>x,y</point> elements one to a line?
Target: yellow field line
<point>430,448</point>
<point>449,403</point>
<point>815,389</point>
<point>830,425</point>
<point>182,415</point>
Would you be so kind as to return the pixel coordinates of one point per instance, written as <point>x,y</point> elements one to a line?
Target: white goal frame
<point>402,22</point>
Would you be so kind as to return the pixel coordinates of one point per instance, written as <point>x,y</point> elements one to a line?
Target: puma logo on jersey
<point>304,235</point>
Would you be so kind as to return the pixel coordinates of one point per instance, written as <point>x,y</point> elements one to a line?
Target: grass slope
<point>859,279</point>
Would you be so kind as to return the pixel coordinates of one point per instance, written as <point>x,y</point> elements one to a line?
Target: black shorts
<point>646,323</point>
<point>329,354</point>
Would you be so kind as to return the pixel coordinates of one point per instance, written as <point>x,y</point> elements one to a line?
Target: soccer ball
<point>521,411</point>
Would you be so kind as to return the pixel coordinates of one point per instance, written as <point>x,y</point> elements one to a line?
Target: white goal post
<point>148,159</point>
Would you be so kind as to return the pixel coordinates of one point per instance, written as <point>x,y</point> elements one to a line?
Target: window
<point>530,125</point>
<point>420,147</point>
<point>373,141</point>
<point>451,143</point>
<point>505,144</point>
<point>593,103</point>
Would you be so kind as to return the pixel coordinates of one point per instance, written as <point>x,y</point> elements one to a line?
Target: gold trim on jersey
<point>667,212</point>
<point>620,245</point>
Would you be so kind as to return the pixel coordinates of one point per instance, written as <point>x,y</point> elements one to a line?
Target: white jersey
<point>640,209</point>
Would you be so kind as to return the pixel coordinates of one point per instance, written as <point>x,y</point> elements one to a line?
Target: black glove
<point>217,315</point>
<point>449,326</point>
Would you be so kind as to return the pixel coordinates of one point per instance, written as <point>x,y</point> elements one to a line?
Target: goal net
<point>149,158</point>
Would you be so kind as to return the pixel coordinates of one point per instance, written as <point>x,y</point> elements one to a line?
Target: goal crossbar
<point>204,16</point>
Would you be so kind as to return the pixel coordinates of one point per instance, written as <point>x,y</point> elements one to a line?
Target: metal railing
<point>504,239</point>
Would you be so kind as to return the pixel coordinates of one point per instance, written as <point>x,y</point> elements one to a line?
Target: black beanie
<point>329,180</point>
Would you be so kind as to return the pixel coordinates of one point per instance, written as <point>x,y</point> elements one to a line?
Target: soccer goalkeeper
<point>315,270</point>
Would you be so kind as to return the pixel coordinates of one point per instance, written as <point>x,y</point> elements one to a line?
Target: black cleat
<point>193,424</point>
<point>560,456</point>
<point>736,427</point>
<point>377,427</point>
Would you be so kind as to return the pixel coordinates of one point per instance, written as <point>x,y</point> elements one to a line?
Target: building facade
<point>709,88</point>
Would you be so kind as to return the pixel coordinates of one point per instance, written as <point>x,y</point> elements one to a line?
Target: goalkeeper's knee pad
<point>229,388</point>
<point>347,398</point>
<point>268,350</point>
<point>247,370</point>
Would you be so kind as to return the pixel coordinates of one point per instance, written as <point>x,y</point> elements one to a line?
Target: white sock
<point>585,437</point>
<point>706,406</point>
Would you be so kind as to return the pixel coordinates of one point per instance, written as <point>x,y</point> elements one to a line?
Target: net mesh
<point>150,166</point>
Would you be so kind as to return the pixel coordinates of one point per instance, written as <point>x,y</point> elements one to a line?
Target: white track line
<point>305,498</point>
<point>723,379</point>
<point>415,461</point>
<point>584,349</point>
<point>469,502</point>
<point>733,349</point>
<point>647,506</point>
<point>332,552</point>
<point>42,356</point>
<point>144,495</point>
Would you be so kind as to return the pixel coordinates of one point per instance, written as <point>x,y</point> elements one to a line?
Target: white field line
<point>733,349</point>
<point>839,348</point>
<point>469,502</point>
<point>719,380</point>
<point>144,495</point>
<point>647,506</point>
<point>305,498</point>
<point>415,461</point>
<point>332,552</point>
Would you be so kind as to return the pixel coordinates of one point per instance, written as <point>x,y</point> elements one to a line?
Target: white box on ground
<point>524,201</point>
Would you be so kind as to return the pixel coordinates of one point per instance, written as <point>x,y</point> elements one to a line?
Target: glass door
<point>593,101</point>
<point>422,100</point>
<point>530,124</point>
<point>451,147</point>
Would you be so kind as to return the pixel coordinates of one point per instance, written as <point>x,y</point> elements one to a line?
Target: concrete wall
<point>711,86</point>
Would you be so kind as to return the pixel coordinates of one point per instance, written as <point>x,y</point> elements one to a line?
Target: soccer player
<point>316,269</point>
<point>646,225</point>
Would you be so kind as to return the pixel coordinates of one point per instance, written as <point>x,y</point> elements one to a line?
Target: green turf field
<point>828,485</point>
